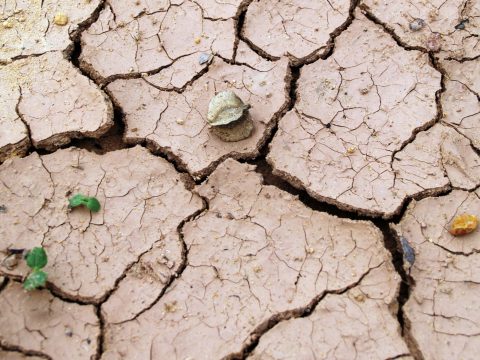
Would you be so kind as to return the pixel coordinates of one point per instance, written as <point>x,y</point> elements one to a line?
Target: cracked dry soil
<point>284,245</point>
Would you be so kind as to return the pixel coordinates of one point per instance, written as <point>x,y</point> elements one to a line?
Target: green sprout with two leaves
<point>36,260</point>
<point>81,200</point>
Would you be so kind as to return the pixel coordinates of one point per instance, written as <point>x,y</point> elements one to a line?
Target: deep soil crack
<point>392,243</point>
<point>17,349</point>
<point>183,264</point>
<point>275,319</point>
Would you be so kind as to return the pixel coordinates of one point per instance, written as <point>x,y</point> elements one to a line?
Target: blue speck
<point>408,252</point>
<point>204,58</point>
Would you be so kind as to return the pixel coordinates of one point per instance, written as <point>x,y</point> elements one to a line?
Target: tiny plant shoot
<point>36,260</point>
<point>90,202</point>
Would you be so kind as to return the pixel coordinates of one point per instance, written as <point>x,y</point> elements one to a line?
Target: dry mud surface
<point>322,235</point>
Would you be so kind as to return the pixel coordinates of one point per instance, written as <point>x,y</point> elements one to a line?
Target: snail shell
<point>225,108</point>
<point>236,131</point>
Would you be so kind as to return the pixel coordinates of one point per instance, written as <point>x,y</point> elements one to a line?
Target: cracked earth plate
<point>461,99</point>
<point>256,255</point>
<point>17,355</point>
<point>175,123</point>
<point>144,37</point>
<point>48,99</point>
<point>442,312</point>
<point>299,29</point>
<point>351,138</point>
<point>143,201</point>
<point>40,322</point>
<point>28,27</point>
<point>360,321</point>
<point>457,22</point>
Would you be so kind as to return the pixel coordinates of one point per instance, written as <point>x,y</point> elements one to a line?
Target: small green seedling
<point>36,260</point>
<point>90,202</point>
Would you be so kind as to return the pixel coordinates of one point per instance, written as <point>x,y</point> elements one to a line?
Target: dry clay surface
<point>443,309</point>
<point>357,324</point>
<point>29,27</point>
<point>47,325</point>
<point>148,36</point>
<point>259,254</point>
<point>144,201</point>
<point>175,123</point>
<point>45,102</point>
<point>461,99</point>
<point>231,267</point>
<point>344,141</point>
<point>450,27</point>
<point>299,29</point>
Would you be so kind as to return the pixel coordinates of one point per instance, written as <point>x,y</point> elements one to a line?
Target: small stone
<point>180,121</point>
<point>10,262</point>
<point>461,25</point>
<point>364,91</point>
<point>351,150</point>
<point>68,332</point>
<point>433,42</point>
<point>463,224</point>
<point>417,24</point>
<point>257,268</point>
<point>204,58</point>
<point>359,297</point>
<point>408,252</point>
<point>7,24</point>
<point>310,250</point>
<point>197,40</point>
<point>170,307</point>
<point>3,209</point>
<point>60,19</point>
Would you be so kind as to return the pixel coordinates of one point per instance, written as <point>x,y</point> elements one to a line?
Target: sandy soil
<point>323,235</point>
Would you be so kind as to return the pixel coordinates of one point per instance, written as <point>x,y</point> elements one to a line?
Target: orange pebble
<point>463,224</point>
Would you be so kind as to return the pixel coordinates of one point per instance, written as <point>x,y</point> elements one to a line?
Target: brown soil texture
<point>324,233</point>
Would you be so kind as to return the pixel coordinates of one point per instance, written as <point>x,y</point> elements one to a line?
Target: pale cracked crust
<point>255,254</point>
<point>27,27</point>
<point>461,99</point>
<point>360,323</point>
<point>143,202</point>
<point>49,98</point>
<point>14,139</point>
<point>155,35</point>
<point>175,123</point>
<point>15,355</point>
<point>296,28</point>
<point>42,323</point>
<point>344,140</point>
<point>443,311</point>
<point>440,16</point>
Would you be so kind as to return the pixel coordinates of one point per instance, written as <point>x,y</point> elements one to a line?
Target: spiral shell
<point>225,108</point>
